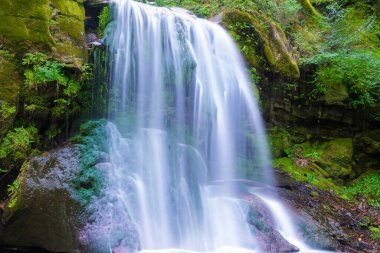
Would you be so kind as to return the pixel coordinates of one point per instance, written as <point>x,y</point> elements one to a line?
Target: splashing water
<point>186,124</point>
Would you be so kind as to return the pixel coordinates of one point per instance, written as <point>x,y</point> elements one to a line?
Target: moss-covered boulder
<point>61,200</point>
<point>262,41</point>
<point>337,159</point>
<point>43,210</point>
<point>53,26</point>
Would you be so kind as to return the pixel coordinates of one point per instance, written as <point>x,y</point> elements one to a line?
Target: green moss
<point>261,47</point>
<point>309,8</point>
<point>69,9</point>
<point>337,159</point>
<point>25,21</point>
<point>279,140</point>
<point>71,26</point>
<point>304,172</point>
<point>9,78</point>
<point>93,146</point>
<point>246,34</point>
<point>105,18</point>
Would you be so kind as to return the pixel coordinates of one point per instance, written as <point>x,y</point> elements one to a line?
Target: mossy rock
<point>55,27</point>
<point>42,210</point>
<point>10,83</point>
<point>25,23</point>
<point>10,80</point>
<point>279,140</point>
<point>247,32</point>
<point>262,41</point>
<point>309,8</point>
<point>336,94</point>
<point>337,159</point>
<point>283,61</point>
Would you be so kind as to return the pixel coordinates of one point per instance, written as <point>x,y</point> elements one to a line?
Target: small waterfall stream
<point>185,125</point>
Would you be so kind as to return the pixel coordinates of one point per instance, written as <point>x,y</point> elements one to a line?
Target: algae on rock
<point>260,45</point>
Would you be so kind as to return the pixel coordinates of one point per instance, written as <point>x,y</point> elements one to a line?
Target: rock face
<point>52,26</point>
<point>262,49</point>
<point>45,210</point>
<point>327,222</point>
<point>263,228</point>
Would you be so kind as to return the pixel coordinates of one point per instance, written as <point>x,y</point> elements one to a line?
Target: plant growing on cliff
<point>40,71</point>
<point>6,110</point>
<point>105,18</point>
<point>18,142</point>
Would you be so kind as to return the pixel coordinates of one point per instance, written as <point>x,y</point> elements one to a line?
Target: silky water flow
<point>186,132</point>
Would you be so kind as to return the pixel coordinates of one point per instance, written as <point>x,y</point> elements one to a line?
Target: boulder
<point>61,201</point>
<point>338,159</point>
<point>43,211</point>
<point>55,27</point>
<point>261,48</point>
<point>263,229</point>
<point>10,83</point>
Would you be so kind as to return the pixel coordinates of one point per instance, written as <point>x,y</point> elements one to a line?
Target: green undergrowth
<point>375,232</point>
<point>344,48</point>
<point>366,186</point>
<point>329,165</point>
<point>93,148</point>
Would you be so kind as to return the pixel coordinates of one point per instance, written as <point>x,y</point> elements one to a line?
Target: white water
<point>185,122</point>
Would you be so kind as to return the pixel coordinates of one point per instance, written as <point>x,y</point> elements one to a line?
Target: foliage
<point>358,69</point>
<point>41,72</point>
<point>367,186</point>
<point>12,192</point>
<point>18,142</point>
<point>375,232</point>
<point>6,54</point>
<point>87,72</point>
<point>6,110</point>
<point>105,18</point>
<point>346,52</point>
<point>13,187</point>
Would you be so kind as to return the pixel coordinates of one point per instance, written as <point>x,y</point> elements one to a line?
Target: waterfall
<point>186,129</point>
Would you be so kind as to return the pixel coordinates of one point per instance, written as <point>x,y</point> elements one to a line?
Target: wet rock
<point>43,211</point>
<point>328,222</point>
<point>263,229</point>
<point>46,211</point>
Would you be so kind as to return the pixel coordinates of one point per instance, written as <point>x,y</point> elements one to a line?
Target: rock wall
<point>52,26</point>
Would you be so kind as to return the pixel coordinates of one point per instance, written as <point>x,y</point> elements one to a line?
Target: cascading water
<point>186,125</point>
